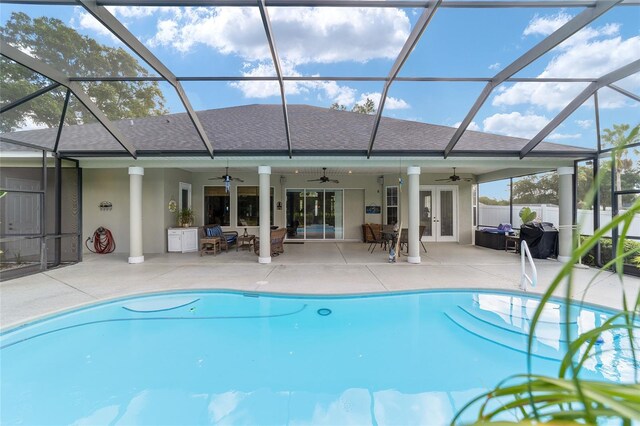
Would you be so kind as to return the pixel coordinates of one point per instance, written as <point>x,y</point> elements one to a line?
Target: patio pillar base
<point>264,260</point>
<point>412,259</point>
<point>564,259</point>
<point>137,259</point>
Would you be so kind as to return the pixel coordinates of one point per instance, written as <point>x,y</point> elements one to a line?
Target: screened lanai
<point>501,90</point>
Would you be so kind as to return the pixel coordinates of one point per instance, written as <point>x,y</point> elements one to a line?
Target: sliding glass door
<point>315,214</point>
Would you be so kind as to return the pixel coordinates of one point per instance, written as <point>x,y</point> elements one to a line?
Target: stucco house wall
<point>161,185</point>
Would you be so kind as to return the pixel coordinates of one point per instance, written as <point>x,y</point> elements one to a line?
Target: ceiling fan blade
<point>215,178</point>
<point>314,180</point>
<point>238,179</point>
<point>334,181</point>
<point>444,180</point>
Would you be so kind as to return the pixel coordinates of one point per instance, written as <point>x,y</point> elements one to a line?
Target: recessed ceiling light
<point>349,171</point>
<point>296,172</point>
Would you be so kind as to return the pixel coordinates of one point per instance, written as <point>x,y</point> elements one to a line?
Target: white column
<point>265,214</point>
<point>565,196</point>
<point>414,214</point>
<point>135,214</point>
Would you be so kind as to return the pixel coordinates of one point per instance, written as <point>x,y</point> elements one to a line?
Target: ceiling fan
<point>454,178</point>
<point>226,177</point>
<point>323,178</point>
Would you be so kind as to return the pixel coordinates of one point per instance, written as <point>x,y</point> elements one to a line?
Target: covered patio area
<point>312,268</point>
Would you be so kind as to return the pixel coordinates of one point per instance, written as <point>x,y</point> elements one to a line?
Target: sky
<point>230,41</point>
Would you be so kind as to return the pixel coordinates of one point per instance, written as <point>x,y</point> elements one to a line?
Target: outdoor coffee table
<point>245,241</point>
<point>210,245</point>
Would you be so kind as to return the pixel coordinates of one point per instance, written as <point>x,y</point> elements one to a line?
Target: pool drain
<point>324,312</point>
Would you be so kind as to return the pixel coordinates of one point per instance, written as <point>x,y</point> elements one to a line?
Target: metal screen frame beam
<point>407,48</point>
<point>55,75</point>
<point>352,78</point>
<point>554,39</point>
<point>62,117</point>
<point>24,144</point>
<point>28,97</point>
<point>466,4</point>
<point>605,80</point>
<point>624,92</point>
<point>266,22</point>
<point>121,32</point>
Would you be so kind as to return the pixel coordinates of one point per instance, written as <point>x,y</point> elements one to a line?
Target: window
<point>392,205</point>
<point>249,206</point>
<point>185,196</point>
<point>216,206</point>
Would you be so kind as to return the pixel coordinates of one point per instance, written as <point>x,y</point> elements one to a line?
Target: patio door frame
<point>324,206</point>
<point>436,191</point>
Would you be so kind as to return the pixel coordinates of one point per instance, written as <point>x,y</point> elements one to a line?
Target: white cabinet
<point>182,239</point>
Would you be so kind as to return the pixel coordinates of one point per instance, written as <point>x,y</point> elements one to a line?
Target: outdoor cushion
<point>214,231</point>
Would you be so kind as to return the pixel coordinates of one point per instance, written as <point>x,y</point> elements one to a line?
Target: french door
<point>439,213</point>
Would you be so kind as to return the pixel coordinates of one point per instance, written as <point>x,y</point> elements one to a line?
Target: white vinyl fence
<point>495,215</point>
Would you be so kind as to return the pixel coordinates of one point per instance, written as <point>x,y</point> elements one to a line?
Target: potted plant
<point>527,215</point>
<point>185,217</point>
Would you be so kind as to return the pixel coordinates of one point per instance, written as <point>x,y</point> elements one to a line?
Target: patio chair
<point>227,238</point>
<point>404,238</point>
<point>277,242</point>
<point>375,238</point>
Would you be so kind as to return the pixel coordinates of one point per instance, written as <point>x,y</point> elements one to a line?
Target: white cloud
<point>551,96</point>
<point>344,95</point>
<point>86,21</point>
<point>585,124</point>
<point>135,11</point>
<point>329,91</point>
<point>302,35</point>
<point>472,126</point>
<point>258,89</point>
<point>562,136</point>
<point>495,66</point>
<point>545,25</point>
<point>592,52</point>
<point>389,104</point>
<point>515,124</point>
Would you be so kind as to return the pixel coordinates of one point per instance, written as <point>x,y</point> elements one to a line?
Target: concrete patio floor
<point>310,268</point>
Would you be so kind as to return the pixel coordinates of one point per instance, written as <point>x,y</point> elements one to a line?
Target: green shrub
<point>630,246</point>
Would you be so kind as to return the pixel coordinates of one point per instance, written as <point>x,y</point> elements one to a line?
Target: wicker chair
<point>277,242</point>
<point>227,238</point>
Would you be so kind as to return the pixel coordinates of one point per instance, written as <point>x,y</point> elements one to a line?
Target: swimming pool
<point>232,358</point>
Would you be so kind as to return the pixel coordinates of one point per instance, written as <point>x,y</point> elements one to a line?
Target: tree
<point>543,189</point>
<point>52,42</point>
<point>368,107</point>
<point>536,189</point>
<point>616,138</point>
<point>488,201</point>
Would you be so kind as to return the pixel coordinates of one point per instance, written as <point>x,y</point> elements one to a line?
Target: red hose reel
<point>102,241</point>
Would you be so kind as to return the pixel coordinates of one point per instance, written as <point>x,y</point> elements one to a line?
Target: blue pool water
<point>230,358</point>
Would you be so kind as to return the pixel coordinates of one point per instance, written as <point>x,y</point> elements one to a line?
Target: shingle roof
<point>261,128</point>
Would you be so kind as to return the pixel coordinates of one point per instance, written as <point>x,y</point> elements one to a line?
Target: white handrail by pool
<point>533,280</point>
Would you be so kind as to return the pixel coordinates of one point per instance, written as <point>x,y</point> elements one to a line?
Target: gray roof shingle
<point>261,128</point>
